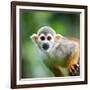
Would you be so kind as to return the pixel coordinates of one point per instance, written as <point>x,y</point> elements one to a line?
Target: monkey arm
<point>73,61</point>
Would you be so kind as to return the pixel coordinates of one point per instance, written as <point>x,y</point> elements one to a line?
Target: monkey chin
<point>46,51</point>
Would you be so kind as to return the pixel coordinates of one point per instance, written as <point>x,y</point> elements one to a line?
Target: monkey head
<point>46,38</point>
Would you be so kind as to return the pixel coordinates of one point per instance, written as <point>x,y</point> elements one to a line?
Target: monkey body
<point>60,55</point>
<point>62,49</point>
<point>59,52</point>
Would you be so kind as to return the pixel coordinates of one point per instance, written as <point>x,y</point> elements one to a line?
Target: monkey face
<point>46,38</point>
<point>46,42</point>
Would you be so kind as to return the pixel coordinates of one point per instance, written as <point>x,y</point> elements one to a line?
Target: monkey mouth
<point>45,46</point>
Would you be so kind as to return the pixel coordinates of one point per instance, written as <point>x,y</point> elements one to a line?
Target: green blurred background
<point>67,24</point>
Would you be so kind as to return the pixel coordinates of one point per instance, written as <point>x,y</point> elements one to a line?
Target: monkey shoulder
<point>63,49</point>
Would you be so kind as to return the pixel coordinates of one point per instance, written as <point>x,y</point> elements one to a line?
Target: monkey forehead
<point>45,30</point>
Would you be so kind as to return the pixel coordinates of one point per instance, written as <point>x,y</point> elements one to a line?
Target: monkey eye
<point>49,38</point>
<point>42,38</point>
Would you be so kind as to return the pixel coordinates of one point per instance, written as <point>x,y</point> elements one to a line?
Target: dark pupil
<point>49,38</point>
<point>42,38</point>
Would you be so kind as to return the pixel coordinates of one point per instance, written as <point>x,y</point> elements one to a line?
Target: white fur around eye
<point>41,36</point>
<point>50,36</point>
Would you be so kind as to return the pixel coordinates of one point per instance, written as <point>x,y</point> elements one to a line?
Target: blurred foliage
<point>67,24</point>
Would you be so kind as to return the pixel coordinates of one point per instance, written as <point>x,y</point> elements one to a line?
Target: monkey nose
<point>45,46</point>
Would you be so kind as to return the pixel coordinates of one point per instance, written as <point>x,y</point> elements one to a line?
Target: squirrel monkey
<point>57,51</point>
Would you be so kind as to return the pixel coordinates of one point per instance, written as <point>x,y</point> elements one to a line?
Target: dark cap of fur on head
<point>45,30</point>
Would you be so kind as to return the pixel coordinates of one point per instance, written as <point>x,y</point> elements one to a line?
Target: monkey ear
<point>34,38</point>
<point>57,38</point>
